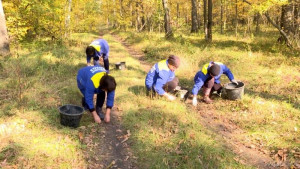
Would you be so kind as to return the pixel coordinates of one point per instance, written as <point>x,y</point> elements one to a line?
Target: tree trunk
<point>287,21</point>
<point>222,11</point>
<point>168,28</point>
<point>284,35</point>
<point>4,41</point>
<point>225,14</point>
<point>177,14</point>
<point>205,18</point>
<point>143,18</point>
<point>194,17</point>
<point>257,18</point>
<point>198,16</point>
<point>68,19</point>
<point>236,18</point>
<point>209,21</point>
<point>137,20</point>
<point>297,19</point>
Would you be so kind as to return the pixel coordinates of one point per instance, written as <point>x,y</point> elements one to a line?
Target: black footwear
<point>100,113</point>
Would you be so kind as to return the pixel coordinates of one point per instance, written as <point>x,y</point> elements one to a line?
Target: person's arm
<point>160,82</point>
<point>107,115</point>
<point>227,72</point>
<point>198,83</point>
<point>89,97</point>
<point>109,105</point>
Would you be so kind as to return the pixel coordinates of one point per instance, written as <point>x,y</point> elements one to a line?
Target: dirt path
<point>247,152</point>
<point>107,144</point>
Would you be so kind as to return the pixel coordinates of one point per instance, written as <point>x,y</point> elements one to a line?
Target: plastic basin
<point>70,115</point>
<point>232,91</point>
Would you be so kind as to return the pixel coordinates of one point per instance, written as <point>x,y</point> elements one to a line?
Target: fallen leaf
<point>124,140</point>
<point>80,134</point>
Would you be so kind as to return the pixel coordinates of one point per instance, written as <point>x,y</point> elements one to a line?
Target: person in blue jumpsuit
<point>94,80</point>
<point>208,78</point>
<point>98,49</point>
<point>161,78</point>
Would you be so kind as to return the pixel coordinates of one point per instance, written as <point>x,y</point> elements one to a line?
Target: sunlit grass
<point>270,108</point>
<point>164,134</point>
<point>42,77</point>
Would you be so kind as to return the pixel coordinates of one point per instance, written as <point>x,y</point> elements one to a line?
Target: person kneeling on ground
<point>209,79</point>
<point>161,78</point>
<point>98,49</point>
<point>94,80</point>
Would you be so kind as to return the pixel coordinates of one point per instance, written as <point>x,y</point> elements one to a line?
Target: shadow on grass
<point>262,43</point>
<point>280,98</point>
<point>163,141</point>
<point>53,83</point>
<point>138,90</point>
<point>137,70</point>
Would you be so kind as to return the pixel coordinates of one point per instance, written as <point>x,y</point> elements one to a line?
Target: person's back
<point>98,49</point>
<point>161,78</point>
<point>94,80</point>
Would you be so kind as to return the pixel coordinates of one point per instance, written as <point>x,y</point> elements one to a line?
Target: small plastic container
<point>70,115</point>
<point>120,65</point>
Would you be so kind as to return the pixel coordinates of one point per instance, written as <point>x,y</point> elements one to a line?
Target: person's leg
<point>207,87</point>
<point>171,85</point>
<point>217,87</point>
<point>106,65</point>
<point>99,104</point>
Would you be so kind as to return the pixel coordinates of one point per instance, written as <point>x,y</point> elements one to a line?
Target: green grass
<point>270,109</point>
<point>42,77</point>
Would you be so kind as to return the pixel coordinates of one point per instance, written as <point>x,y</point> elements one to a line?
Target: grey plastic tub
<point>70,115</point>
<point>232,91</point>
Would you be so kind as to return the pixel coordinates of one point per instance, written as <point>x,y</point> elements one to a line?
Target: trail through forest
<point>114,151</point>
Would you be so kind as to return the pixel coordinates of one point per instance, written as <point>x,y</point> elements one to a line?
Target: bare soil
<point>107,144</point>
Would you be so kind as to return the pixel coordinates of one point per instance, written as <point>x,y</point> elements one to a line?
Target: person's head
<point>108,83</point>
<point>90,50</point>
<point>173,62</point>
<point>214,70</point>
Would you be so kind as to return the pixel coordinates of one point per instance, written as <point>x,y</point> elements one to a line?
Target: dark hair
<point>108,83</point>
<point>214,70</point>
<point>90,50</point>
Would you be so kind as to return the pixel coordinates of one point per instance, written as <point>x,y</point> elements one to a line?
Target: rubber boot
<point>207,100</point>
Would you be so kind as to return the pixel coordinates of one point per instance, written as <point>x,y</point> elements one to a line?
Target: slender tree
<point>236,18</point>
<point>68,18</point>
<point>194,17</point>
<point>198,16</point>
<point>168,28</point>
<point>222,12</point>
<point>205,18</point>
<point>209,21</point>
<point>257,19</point>
<point>4,41</point>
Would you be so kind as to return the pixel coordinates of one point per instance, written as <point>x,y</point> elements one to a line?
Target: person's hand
<point>96,117</point>
<point>235,81</point>
<point>107,115</point>
<point>89,64</point>
<point>170,97</point>
<point>195,100</point>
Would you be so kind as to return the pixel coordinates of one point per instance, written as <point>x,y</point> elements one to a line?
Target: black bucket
<point>233,91</point>
<point>70,115</point>
<point>120,65</point>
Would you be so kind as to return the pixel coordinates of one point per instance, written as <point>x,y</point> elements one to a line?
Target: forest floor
<point>114,148</point>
